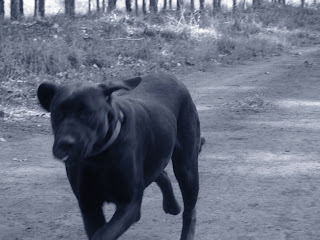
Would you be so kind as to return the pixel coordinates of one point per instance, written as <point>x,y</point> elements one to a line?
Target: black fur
<point>159,123</point>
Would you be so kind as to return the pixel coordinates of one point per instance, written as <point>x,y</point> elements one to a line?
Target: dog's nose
<point>66,143</point>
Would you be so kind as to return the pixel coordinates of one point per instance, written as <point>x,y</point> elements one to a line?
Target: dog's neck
<point>113,132</point>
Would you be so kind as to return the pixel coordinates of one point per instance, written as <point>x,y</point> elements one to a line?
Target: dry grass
<point>97,48</point>
<point>117,44</point>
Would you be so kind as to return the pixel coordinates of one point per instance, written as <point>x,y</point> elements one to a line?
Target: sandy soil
<point>259,169</point>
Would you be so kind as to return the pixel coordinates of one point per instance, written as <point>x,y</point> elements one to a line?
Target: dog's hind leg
<point>185,166</point>
<point>170,204</point>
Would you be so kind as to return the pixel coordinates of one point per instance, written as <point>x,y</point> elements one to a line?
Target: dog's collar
<point>113,137</point>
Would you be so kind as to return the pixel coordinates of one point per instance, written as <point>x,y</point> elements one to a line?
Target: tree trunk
<point>164,5</point>
<point>201,5</point>
<point>111,5</point>
<point>153,6</point>
<point>98,6</point>
<point>69,8</point>
<point>136,6</point>
<point>144,8</point>
<point>234,5</point>
<point>170,4</point>
<point>103,6</point>
<point>128,6</point>
<point>14,9</point>
<point>179,5</point>
<point>35,14</point>
<point>216,5</point>
<point>256,3</point>
<point>242,4</point>
<point>192,5</point>
<point>21,12</point>
<point>1,9</point>
<point>42,8</point>
<point>302,3</point>
<point>89,6</point>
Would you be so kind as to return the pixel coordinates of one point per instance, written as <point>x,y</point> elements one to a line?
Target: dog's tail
<point>202,141</point>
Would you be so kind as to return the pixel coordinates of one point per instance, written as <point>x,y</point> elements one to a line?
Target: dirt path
<point>259,170</point>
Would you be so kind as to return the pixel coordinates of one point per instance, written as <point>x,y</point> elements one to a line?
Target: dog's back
<point>161,89</point>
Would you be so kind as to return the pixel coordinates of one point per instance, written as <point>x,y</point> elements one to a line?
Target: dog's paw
<point>171,207</point>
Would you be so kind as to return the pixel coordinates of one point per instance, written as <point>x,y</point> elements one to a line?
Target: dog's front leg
<point>93,220</point>
<point>122,219</point>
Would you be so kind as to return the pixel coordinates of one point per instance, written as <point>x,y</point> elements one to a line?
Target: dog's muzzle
<point>69,145</point>
<point>64,147</point>
<point>72,141</point>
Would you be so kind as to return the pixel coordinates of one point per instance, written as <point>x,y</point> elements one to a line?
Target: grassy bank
<point>115,46</point>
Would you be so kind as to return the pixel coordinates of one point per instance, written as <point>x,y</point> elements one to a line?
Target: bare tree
<point>111,5</point>
<point>103,5</point>
<point>21,12</point>
<point>242,4</point>
<point>136,6</point>
<point>14,9</point>
<point>234,5</point>
<point>1,9</point>
<point>216,5</point>
<point>98,6</point>
<point>257,3</point>
<point>39,7</point>
<point>180,5</point>
<point>42,7</point>
<point>35,14</point>
<point>192,5</point>
<point>144,7</point>
<point>164,5</point>
<point>69,7</point>
<point>89,6</point>
<point>128,5</point>
<point>153,6</point>
<point>201,5</point>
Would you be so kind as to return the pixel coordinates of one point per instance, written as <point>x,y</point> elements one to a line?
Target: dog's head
<point>80,115</point>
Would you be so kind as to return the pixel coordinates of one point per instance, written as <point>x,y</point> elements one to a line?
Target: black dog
<point>115,146</point>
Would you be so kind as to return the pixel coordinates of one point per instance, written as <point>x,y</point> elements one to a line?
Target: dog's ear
<point>45,94</point>
<point>128,84</point>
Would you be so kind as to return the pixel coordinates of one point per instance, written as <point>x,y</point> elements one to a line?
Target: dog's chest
<point>100,185</point>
